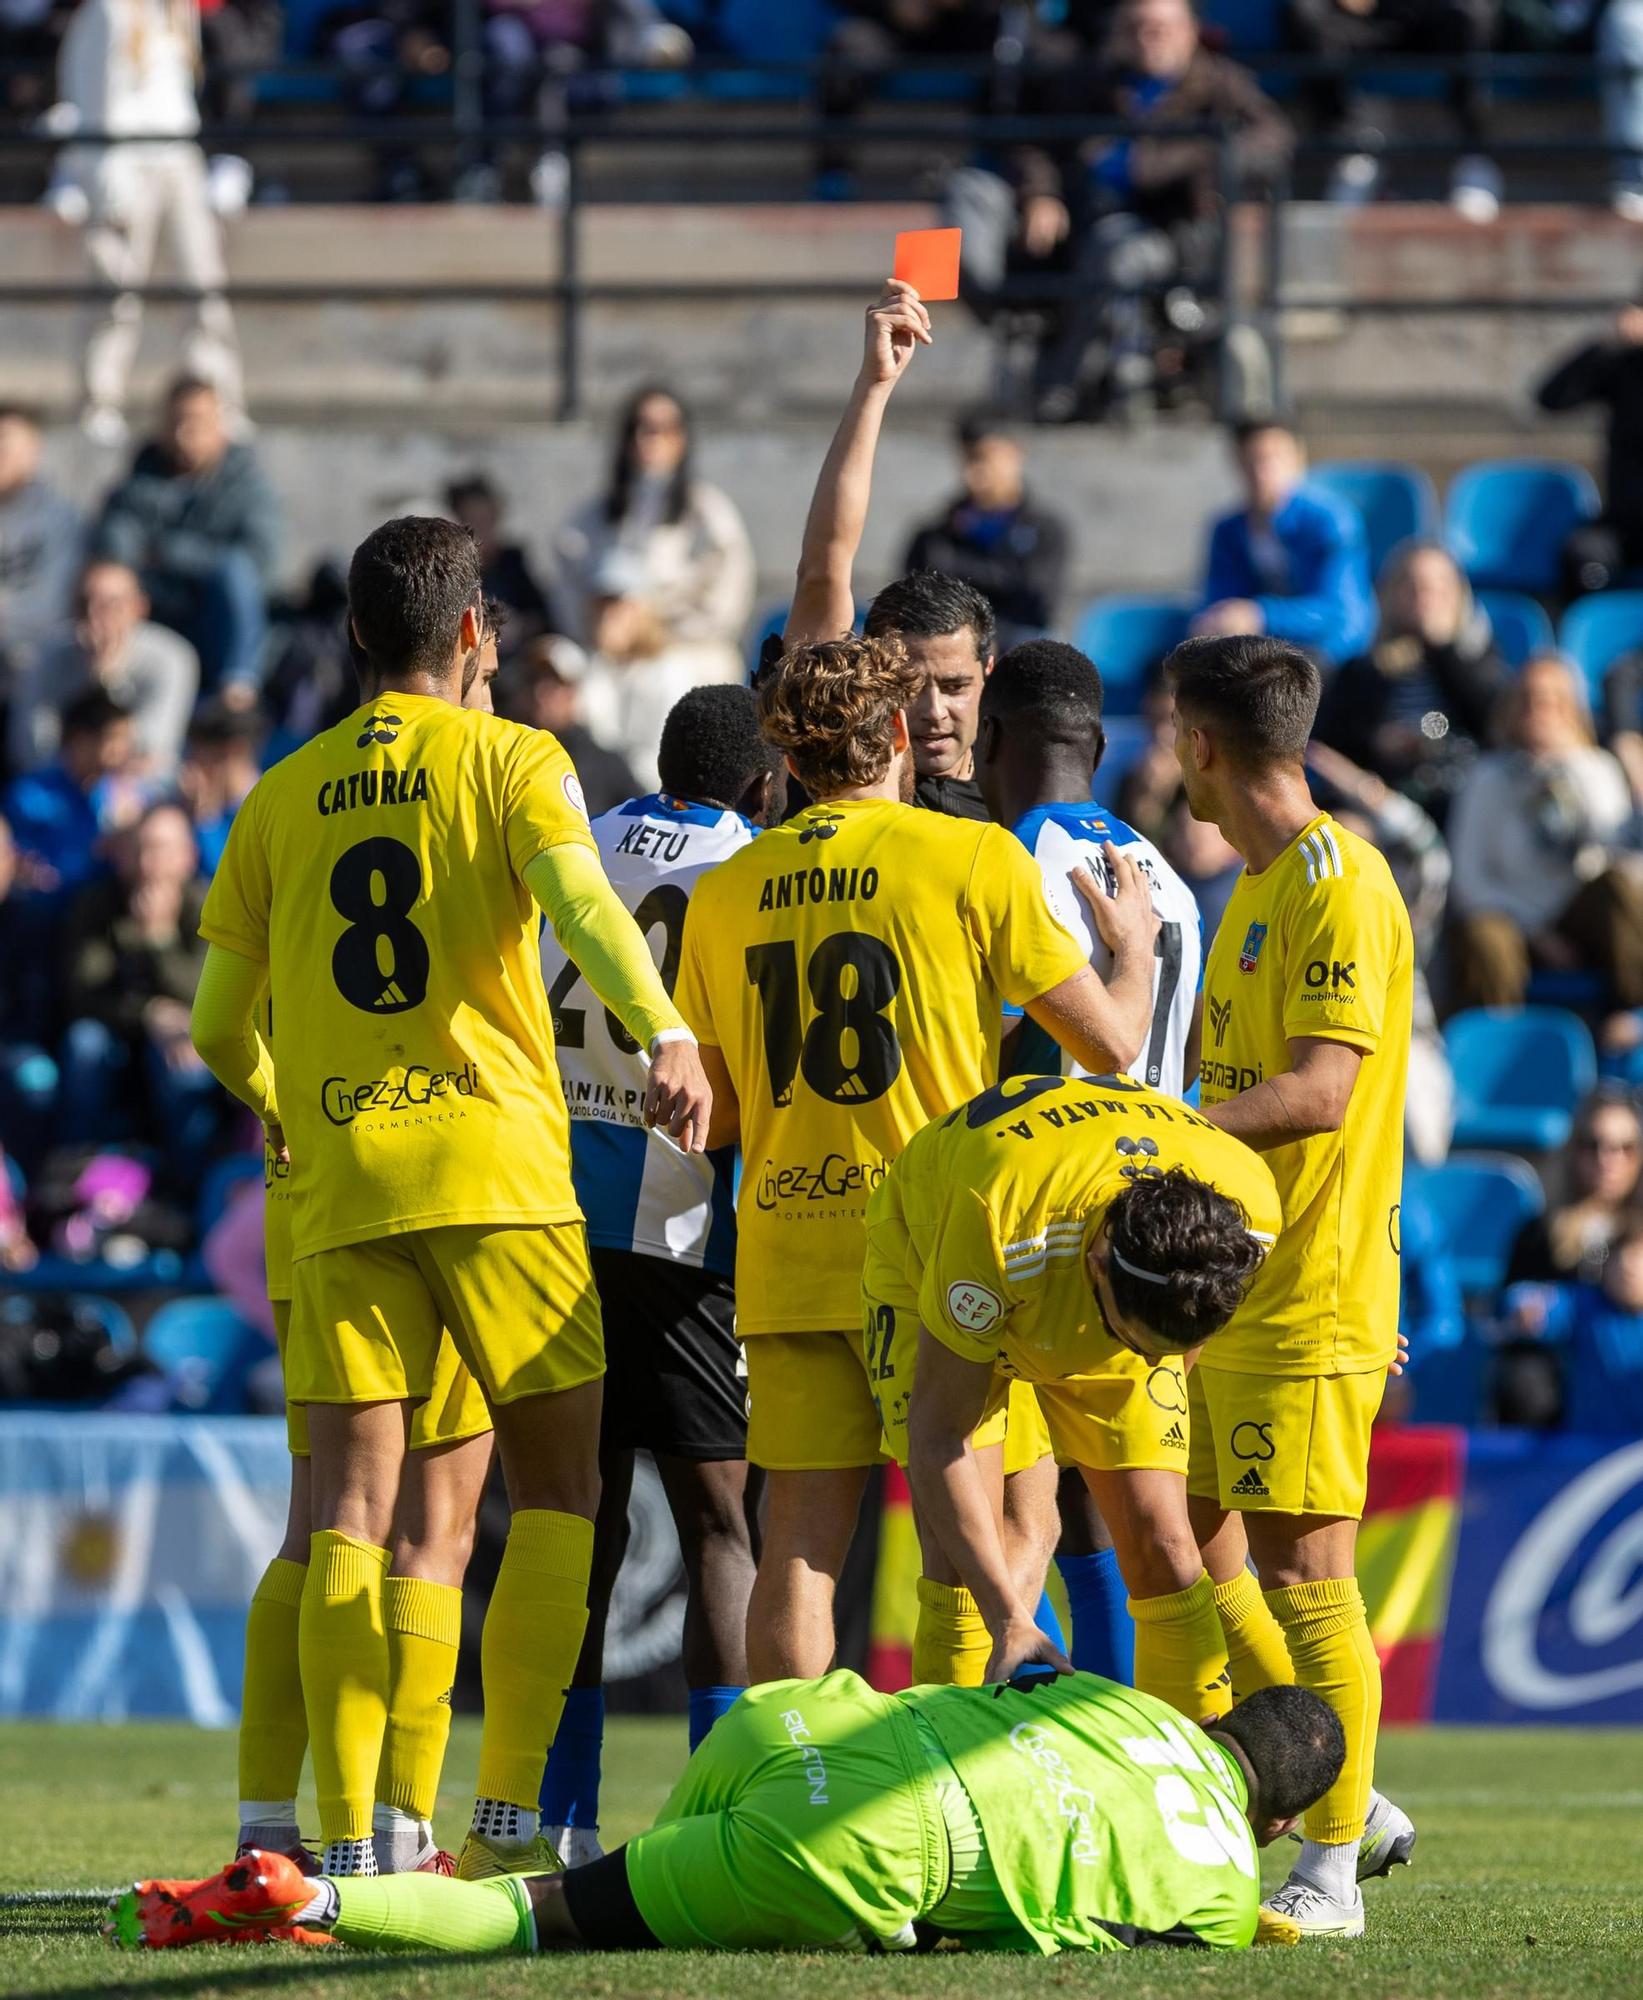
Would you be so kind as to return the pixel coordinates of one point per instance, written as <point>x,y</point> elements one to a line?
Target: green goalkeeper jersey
<point>1109,1821</point>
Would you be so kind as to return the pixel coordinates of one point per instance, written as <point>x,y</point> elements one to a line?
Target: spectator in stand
<point>132,955</point>
<point>198,521</point>
<point>1291,562</point>
<point>875,38</point>
<point>1607,373</point>
<point>28,1075</point>
<point>237,38</point>
<point>388,50</point>
<point>312,682</point>
<point>1129,216</point>
<point>29,32</point>
<point>1602,1165</point>
<point>1595,1330</point>
<point>132,66</point>
<point>477,505</point>
<point>41,537</point>
<point>995,536</point>
<point>61,814</point>
<point>545,691</point>
<point>153,674</point>
<point>1417,705</point>
<point>1537,836</point>
<point>220,765</point>
<point>1349,34</point>
<point>660,562</point>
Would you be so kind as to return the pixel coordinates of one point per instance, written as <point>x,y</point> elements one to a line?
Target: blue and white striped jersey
<point>637,1190</point>
<point>1064,837</point>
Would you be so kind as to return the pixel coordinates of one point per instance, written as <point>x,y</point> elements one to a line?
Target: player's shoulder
<point>1328,861</point>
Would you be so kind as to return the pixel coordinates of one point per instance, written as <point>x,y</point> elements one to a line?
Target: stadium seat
<point>1127,637</point>
<point>217,1189</point>
<point>1519,1073</point>
<point>207,1350</point>
<point>1395,502</point>
<point>1248,25</point>
<point>1521,625</point>
<point>1596,630</point>
<point>1480,1201</point>
<point>114,1320</point>
<point>1507,521</point>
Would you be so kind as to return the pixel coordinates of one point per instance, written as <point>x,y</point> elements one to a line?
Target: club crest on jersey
<point>1254,938</point>
<point>380,729</point>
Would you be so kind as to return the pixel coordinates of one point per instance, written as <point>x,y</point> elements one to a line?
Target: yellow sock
<point>273,1727</point>
<point>1328,1635</point>
<point>344,1653</point>
<point>1256,1653</point>
<point>424,1622</point>
<point>533,1634</point>
<point>1180,1655</point>
<point>951,1645</point>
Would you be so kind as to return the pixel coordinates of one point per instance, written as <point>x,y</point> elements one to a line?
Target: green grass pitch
<point>1528,1885</point>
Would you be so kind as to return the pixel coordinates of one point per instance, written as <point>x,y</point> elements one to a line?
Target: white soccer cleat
<point>1311,1912</point>
<point>1388,1840</point>
<point>577,1845</point>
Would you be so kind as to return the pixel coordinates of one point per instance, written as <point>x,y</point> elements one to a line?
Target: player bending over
<point>1043,1816</point>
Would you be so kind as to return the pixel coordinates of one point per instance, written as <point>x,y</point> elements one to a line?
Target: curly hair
<point>1197,1242</point>
<point>832,707</point>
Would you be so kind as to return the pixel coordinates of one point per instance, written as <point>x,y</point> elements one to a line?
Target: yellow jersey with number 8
<point>851,966</point>
<point>377,873</point>
<point>1318,944</point>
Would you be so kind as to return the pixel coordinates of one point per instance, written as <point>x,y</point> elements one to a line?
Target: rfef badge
<point>1254,938</point>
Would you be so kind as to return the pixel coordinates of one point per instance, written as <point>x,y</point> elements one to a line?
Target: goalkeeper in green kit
<point>1040,1815</point>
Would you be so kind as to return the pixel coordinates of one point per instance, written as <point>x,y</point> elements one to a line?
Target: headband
<point>1134,1270</point>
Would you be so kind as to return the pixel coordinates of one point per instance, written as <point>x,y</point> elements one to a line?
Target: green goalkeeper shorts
<point>808,1819</point>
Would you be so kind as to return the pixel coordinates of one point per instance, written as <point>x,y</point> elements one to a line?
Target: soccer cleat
<point>575,1845</point>
<point>482,1860</point>
<point>1388,1841</point>
<point>436,1862</point>
<point>257,1891</point>
<point>1311,1912</point>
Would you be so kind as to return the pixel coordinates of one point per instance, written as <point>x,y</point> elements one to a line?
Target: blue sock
<point>1103,1630</point>
<point>706,1706</point>
<point>1047,1622</point>
<point>570,1784</point>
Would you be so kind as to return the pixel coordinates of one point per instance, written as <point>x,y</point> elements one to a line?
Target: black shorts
<point>674,1380</point>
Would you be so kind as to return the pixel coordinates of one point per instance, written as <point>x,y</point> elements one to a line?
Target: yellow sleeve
<point>594,928</point>
<point>238,903</point>
<point>224,1028</point>
<point>1339,958</point>
<point>690,994</point>
<point>1026,946</point>
<point>965,1298</point>
<point>542,801</point>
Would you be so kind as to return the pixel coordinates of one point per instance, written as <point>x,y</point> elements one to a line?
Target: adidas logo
<point>1174,1436</point>
<point>1252,1483</point>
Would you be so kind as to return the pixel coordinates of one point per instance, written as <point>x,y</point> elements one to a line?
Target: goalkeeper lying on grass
<point>1042,1815</point>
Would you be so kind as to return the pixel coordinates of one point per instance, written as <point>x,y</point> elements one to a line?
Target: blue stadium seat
<point>1127,637</point>
<point>1521,625</point>
<point>217,1189</point>
<point>1480,1201</point>
<point>1519,1073</point>
<point>1507,521</point>
<point>753,30</point>
<point>1247,24</point>
<point>1395,501</point>
<point>207,1350</point>
<point>1596,630</point>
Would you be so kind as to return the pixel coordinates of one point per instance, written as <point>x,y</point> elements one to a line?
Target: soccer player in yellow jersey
<point>1077,1233</point>
<point>1308,991</point>
<point>385,879</point>
<point>846,974</point>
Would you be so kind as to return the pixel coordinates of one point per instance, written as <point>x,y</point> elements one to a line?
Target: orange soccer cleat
<point>256,1894</point>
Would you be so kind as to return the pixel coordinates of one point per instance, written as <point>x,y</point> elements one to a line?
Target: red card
<point>927,259</point>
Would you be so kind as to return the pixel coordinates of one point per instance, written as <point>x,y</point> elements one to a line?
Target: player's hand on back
<point>274,1134</point>
<point>1021,1644</point>
<point>678,1096</point>
<point>896,325</point>
<point>1125,920</point>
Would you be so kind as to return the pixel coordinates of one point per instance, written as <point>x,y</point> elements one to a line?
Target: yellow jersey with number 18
<point>377,873</point>
<point>851,966</point>
<point>1318,944</point>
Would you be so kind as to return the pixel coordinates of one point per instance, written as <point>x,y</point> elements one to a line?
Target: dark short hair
<point>712,749</point>
<point>190,384</point>
<point>1253,427</point>
<point>975,425</point>
<point>89,714</point>
<point>19,413</point>
<point>1195,1243</point>
<point>1048,689</point>
<point>929,604</point>
<point>408,585</point>
<point>472,486</point>
<point>1295,1745</point>
<point>1260,695</point>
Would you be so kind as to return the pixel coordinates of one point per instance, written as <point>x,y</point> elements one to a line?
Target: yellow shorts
<point>809,1406</point>
<point>519,1305</point>
<point>1283,1444</point>
<point>455,1408</point>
